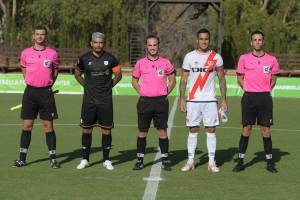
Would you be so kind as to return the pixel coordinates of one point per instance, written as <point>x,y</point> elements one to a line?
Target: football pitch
<point>37,181</point>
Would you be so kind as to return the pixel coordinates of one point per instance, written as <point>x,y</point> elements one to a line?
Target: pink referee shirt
<point>257,71</point>
<point>153,76</point>
<point>39,66</point>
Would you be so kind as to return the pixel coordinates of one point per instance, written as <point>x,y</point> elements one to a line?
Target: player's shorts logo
<point>47,63</point>
<point>105,62</point>
<point>267,69</point>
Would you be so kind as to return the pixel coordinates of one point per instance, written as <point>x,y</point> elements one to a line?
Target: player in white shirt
<point>200,67</point>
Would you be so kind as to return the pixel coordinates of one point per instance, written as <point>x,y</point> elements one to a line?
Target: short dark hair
<point>203,30</point>
<point>39,27</point>
<point>257,32</point>
<point>152,36</point>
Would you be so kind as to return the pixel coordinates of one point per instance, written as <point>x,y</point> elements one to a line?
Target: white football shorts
<point>202,112</point>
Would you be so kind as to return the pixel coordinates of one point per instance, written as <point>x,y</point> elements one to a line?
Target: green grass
<point>39,181</point>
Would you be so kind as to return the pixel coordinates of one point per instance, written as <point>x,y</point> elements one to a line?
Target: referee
<point>39,65</point>
<point>149,78</point>
<point>256,74</point>
<point>97,66</point>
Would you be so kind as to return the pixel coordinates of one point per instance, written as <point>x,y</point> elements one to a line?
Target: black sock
<point>164,148</point>
<point>141,148</point>
<point>106,145</point>
<point>51,143</point>
<point>24,144</point>
<point>243,147</point>
<point>268,148</point>
<point>86,142</point>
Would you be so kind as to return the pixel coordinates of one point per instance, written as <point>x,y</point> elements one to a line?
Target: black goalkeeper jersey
<point>97,75</point>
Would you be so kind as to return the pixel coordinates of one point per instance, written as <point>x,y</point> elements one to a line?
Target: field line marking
<point>135,125</point>
<point>154,178</point>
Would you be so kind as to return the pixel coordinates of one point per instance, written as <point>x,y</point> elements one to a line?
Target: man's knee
<point>143,133</point>
<point>27,125</point>
<point>162,133</point>
<point>265,131</point>
<point>48,126</point>
<point>210,129</point>
<point>247,130</point>
<point>194,129</point>
<point>106,131</point>
<point>87,130</point>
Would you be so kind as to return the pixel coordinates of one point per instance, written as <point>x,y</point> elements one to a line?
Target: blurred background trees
<point>70,23</point>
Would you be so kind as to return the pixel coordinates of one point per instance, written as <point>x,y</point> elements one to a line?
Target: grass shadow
<point>125,156</point>
<point>260,157</point>
<point>178,156</point>
<point>222,156</point>
<point>67,157</point>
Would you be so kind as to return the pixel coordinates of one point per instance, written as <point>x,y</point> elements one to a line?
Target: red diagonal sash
<point>200,82</point>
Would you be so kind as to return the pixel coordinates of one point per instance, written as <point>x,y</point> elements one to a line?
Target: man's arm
<point>182,88</point>
<point>172,82</point>
<point>54,75</point>
<point>23,71</point>
<point>55,65</point>
<point>135,84</point>
<point>117,76</point>
<point>240,80</point>
<point>273,81</point>
<point>78,76</point>
<point>223,87</point>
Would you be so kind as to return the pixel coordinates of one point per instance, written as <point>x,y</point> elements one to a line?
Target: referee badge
<point>267,69</point>
<point>47,63</point>
<point>160,72</point>
<point>105,62</point>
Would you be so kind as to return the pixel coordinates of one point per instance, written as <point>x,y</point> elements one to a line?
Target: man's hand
<point>224,105</point>
<point>182,105</point>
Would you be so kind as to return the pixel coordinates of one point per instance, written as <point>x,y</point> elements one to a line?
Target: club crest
<point>210,63</point>
<point>106,62</point>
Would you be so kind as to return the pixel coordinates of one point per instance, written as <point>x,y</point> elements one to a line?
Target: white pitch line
<point>135,125</point>
<point>154,178</point>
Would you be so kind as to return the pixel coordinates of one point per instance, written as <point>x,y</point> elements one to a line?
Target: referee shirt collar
<point>154,59</point>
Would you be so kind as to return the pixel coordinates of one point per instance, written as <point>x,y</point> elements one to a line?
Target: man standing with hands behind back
<point>149,79</point>
<point>256,74</point>
<point>39,65</point>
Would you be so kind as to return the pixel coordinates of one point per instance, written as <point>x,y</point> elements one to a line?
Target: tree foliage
<point>71,22</point>
<point>279,20</point>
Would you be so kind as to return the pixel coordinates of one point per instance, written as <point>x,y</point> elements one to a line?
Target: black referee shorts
<point>38,100</point>
<point>156,108</point>
<point>257,108</point>
<point>97,114</point>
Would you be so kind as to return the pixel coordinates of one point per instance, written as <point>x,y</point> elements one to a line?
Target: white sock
<point>191,146</point>
<point>211,142</point>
